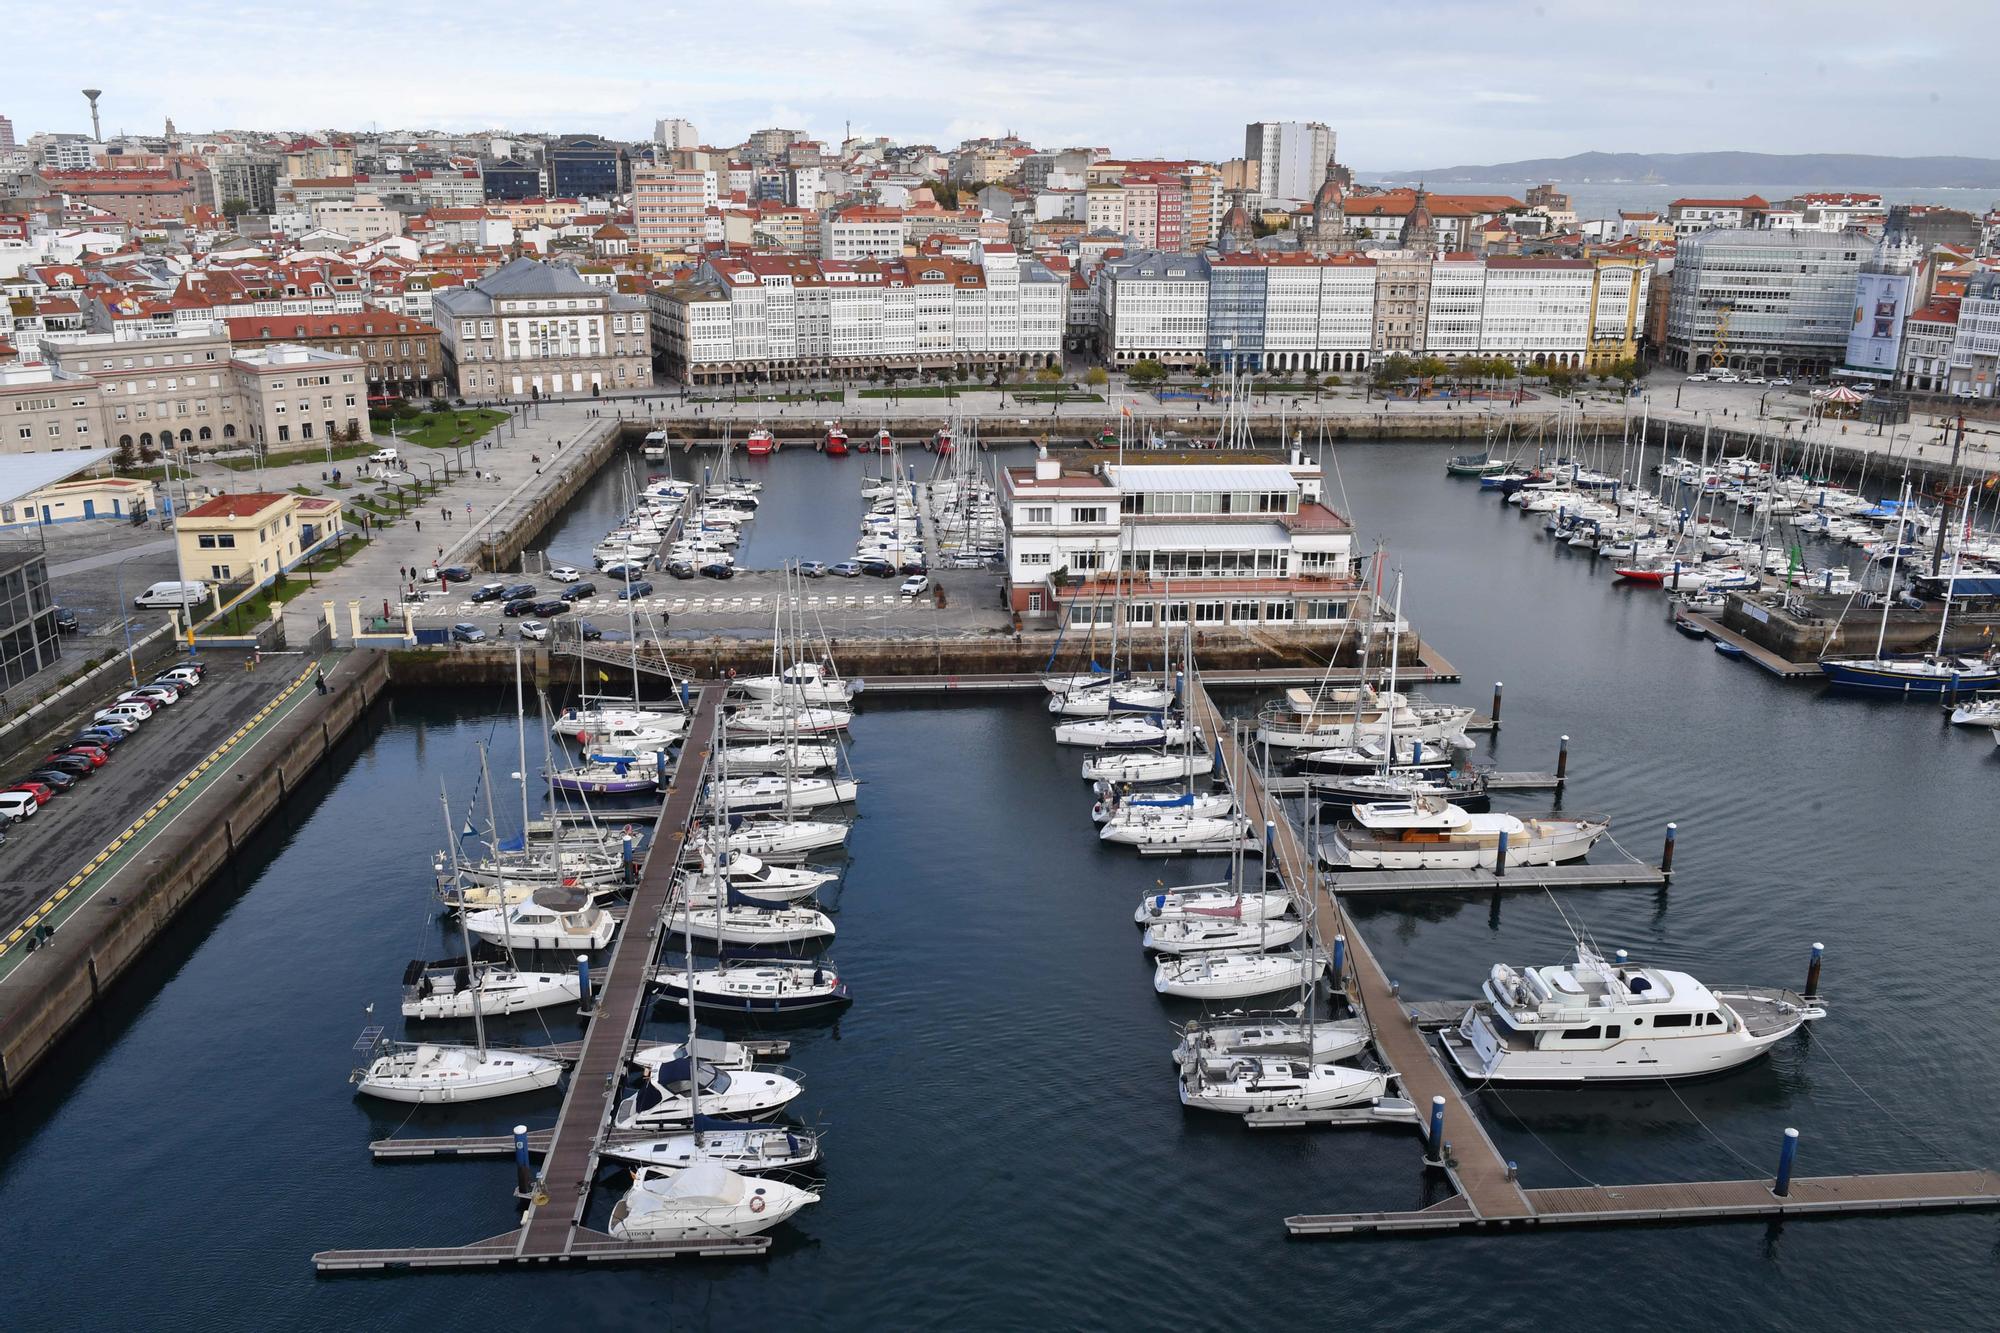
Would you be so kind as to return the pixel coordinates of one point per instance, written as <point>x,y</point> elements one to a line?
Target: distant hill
<point>1836,170</point>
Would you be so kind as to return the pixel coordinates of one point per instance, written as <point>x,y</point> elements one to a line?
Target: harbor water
<point>1004,1148</point>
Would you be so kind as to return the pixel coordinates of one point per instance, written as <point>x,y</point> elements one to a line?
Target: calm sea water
<point>1005,1150</point>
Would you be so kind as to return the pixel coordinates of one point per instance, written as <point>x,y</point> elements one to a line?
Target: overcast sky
<point>1420,84</point>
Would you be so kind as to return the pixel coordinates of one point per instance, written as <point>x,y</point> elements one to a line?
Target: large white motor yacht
<point>1599,1021</point>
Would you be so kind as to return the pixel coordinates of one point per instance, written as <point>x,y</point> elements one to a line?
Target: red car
<point>43,793</point>
<point>95,754</point>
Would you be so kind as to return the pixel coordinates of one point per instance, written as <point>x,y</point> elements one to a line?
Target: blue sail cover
<point>735,899</point>
<point>514,844</point>
<point>1185,798</point>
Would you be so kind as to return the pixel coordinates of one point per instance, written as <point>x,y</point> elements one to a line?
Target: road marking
<point>131,830</point>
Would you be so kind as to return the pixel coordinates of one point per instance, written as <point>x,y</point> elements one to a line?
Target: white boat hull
<point>432,1075</point>
<point>1234,976</point>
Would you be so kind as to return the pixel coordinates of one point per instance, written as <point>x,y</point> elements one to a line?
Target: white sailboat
<point>1320,1042</point>
<point>1209,902</point>
<point>1240,1084</point>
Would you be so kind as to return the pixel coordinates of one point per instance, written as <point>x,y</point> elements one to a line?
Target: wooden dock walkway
<point>552,1230</point>
<point>1477,1169</point>
<point>1481,879</point>
<point>1762,656</point>
<point>1691,1201</point>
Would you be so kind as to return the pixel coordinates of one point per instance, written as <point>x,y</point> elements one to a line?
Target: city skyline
<point>1486,83</point>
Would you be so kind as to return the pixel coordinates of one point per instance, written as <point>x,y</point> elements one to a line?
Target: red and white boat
<point>760,443</point>
<point>836,442</point>
<point>1643,573</point>
<point>942,442</point>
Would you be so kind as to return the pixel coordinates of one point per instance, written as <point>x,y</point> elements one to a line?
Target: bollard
<point>1496,705</point>
<point>1500,855</point>
<point>1339,958</point>
<point>1270,841</point>
<point>1812,971</point>
<point>583,982</point>
<point>1622,957</point>
<point>1785,1156</point>
<point>1434,1140</point>
<point>524,1177</point>
<point>1667,852</point>
<point>1562,762</point>
<point>1513,1171</point>
<point>1416,754</point>
<point>1178,697</point>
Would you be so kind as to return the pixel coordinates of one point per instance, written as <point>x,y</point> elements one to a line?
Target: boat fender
<point>757,1203</point>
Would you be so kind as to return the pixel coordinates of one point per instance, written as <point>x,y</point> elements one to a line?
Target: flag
<point>1128,412</point>
<point>602,676</point>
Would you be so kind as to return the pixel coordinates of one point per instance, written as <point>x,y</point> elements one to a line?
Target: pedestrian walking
<point>419,522</point>
<point>319,679</point>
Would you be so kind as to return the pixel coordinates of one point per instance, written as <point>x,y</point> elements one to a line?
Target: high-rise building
<point>669,208</point>
<point>1770,302</point>
<point>1292,156</point>
<point>675,134</point>
<point>6,135</point>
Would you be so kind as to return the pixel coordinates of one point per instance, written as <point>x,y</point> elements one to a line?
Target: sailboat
<point>431,1072</point>
<point>1935,672</point>
<point>692,1194</point>
<point>1234,974</point>
<point>1208,901</point>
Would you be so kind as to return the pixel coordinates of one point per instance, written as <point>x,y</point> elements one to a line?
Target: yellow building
<point>73,501</point>
<point>1618,292</point>
<point>254,536</point>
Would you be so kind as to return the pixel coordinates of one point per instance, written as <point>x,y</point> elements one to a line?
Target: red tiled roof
<point>246,505</point>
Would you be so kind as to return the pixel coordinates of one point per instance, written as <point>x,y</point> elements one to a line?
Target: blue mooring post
<point>1812,971</point>
<point>1786,1155</point>
<point>1416,754</point>
<point>1500,855</point>
<point>1270,845</point>
<point>1667,851</point>
<point>1339,959</point>
<point>524,1177</point>
<point>583,982</point>
<point>1434,1140</point>
<point>1178,679</point>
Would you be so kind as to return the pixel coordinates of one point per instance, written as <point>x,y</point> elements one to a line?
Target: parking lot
<point>45,849</point>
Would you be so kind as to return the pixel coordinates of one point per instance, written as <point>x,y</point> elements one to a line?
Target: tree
<point>128,454</point>
<point>234,208</point>
<point>1049,375</point>
<point>1394,369</point>
<point>1561,380</point>
<point>944,191</point>
<point>1147,371</point>
<point>1096,377</point>
<point>1625,370</point>
<point>1431,368</point>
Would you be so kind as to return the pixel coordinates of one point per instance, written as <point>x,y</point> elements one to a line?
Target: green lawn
<point>917,391</point>
<point>820,397</point>
<point>432,430</point>
<point>1055,396</point>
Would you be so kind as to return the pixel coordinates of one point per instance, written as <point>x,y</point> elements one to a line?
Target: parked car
<point>878,569</point>
<point>1783,379</point>
<point>588,631</point>
<point>916,583</point>
<point>53,778</point>
<point>636,589</point>
<point>465,633</point>
<point>718,570</point>
<point>96,754</point>
<point>17,805</point>
<point>41,791</point>
<point>152,694</point>
<point>389,456</point>
<point>65,620</point>
<point>123,723</point>
<point>130,710</point>
<point>455,574</point>
<point>846,569</point>
<point>1697,379</point>
<point>520,606</point>
<point>490,592</point>
<point>73,764</point>
<point>107,736</point>
<point>181,684</point>
<point>812,569</point>
<point>622,570</point>
<point>565,573</point>
<point>534,629</point>
<point>913,566</point>
<point>681,569</point>
<point>551,606</point>
<point>578,591</point>
<point>514,592</point>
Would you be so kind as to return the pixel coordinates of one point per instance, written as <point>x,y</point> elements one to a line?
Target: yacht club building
<point>1215,544</point>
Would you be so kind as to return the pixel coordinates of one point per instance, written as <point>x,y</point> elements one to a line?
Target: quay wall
<point>49,991</point>
<point>579,461</point>
<point>1819,627</point>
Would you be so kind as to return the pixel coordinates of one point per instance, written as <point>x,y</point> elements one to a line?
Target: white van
<point>193,593</point>
<point>17,805</point>
<point>388,455</point>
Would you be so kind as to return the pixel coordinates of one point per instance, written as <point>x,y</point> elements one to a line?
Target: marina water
<point>1004,1147</point>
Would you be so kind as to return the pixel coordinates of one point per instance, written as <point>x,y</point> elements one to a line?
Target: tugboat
<point>836,442</point>
<point>760,443</point>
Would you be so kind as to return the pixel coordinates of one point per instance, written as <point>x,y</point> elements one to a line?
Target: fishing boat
<point>759,443</point>
<point>1240,1084</point>
<point>536,925</point>
<point>654,446</point>
<point>1283,1034</point>
<point>751,1148</point>
<point>835,443</point>
<point>1607,1021</point>
<point>706,1201</point>
<point>1429,833</point>
<point>740,986</point>
<point>1236,975</point>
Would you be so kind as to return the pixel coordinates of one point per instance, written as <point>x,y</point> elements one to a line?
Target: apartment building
<point>1537,310</point>
<point>1152,545</point>
<point>849,234</point>
<point>539,329</point>
<point>1690,217</point>
<point>1975,347</point>
<point>670,208</point>
<point>1929,334</point>
<point>761,315</point>
<point>1292,157</point>
<point>402,357</point>
<point>130,196</point>
<point>1154,307</point>
<point>45,409</point>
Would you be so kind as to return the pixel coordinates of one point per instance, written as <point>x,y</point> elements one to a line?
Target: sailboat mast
<point>493,842</point>
<point>1895,554</point>
<point>465,937</point>
<point>1957,556</point>
<point>1389,708</point>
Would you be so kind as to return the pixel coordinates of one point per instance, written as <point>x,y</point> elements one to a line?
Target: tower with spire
<point>1419,231</point>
